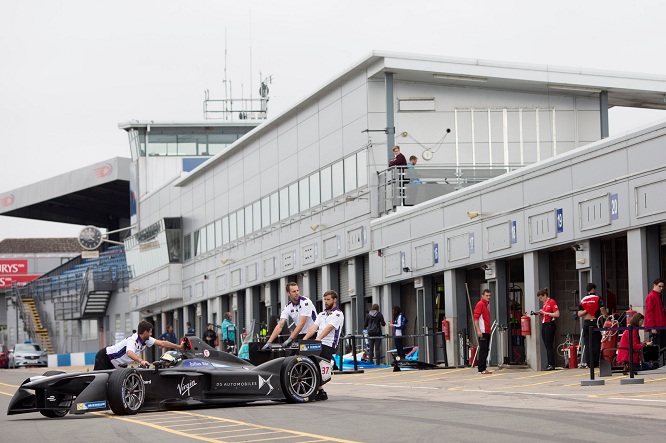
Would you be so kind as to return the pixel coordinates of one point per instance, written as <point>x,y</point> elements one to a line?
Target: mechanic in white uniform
<point>328,327</point>
<point>129,349</point>
<point>300,310</point>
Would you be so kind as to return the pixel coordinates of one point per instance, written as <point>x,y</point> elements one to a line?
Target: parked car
<point>29,354</point>
<point>4,356</point>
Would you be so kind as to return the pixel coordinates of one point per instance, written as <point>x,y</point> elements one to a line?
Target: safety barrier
<point>631,379</point>
<point>73,359</point>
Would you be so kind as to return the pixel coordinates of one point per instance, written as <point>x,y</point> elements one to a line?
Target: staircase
<point>31,317</point>
<point>95,304</point>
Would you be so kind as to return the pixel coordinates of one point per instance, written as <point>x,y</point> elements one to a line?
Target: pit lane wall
<point>73,359</point>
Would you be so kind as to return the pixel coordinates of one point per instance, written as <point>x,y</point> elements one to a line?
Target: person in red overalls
<point>623,348</point>
<point>482,326</point>
<point>655,315</point>
<point>549,312</point>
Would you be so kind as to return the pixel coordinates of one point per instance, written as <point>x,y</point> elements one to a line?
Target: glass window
<point>284,203</point>
<point>187,247</point>
<point>187,144</point>
<point>337,179</point>
<point>218,233</point>
<point>210,237</point>
<point>128,325</point>
<point>362,168</point>
<point>202,241</point>
<point>225,230</point>
<point>197,243</point>
<point>219,142</point>
<point>240,222</point>
<point>275,208</point>
<point>265,212</point>
<point>315,193</point>
<point>161,144</point>
<point>293,199</point>
<point>304,193</point>
<point>350,173</point>
<point>326,188</point>
<point>256,216</point>
<point>118,324</point>
<point>248,220</point>
<point>233,232</point>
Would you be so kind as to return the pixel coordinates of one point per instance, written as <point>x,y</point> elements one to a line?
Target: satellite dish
<point>427,155</point>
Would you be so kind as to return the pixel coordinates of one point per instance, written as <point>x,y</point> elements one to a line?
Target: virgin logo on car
<point>184,388</point>
<point>104,170</point>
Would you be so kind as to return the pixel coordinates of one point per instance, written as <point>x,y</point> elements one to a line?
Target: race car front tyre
<point>300,378</point>
<point>59,412</point>
<point>125,391</point>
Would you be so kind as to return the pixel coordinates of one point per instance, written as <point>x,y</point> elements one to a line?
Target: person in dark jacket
<point>210,336</point>
<point>374,320</point>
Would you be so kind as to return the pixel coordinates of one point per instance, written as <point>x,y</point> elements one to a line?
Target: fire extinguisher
<point>525,327</point>
<point>446,329</point>
<point>609,340</point>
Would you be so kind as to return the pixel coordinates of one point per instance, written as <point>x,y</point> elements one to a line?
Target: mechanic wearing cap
<point>590,308</point>
<point>129,349</point>
<point>300,310</point>
<point>327,327</point>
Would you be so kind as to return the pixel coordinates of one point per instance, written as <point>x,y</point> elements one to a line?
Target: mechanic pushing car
<point>129,349</point>
<point>300,310</point>
<point>327,327</point>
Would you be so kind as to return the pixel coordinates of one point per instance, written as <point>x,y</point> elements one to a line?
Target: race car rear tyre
<point>300,378</point>
<point>59,412</point>
<point>125,391</point>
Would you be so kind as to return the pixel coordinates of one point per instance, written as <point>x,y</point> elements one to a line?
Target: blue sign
<point>614,207</point>
<point>514,234</point>
<point>196,363</point>
<point>471,243</point>
<point>559,220</point>
<point>436,250</point>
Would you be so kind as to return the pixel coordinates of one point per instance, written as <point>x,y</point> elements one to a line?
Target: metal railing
<point>401,186</point>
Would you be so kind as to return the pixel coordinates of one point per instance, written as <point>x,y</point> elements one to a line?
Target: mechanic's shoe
<point>321,396</point>
<point>486,372</point>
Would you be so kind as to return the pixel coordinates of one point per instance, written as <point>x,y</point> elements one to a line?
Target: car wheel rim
<point>303,379</point>
<point>133,392</point>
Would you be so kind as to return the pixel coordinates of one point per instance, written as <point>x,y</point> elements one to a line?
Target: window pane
<point>159,144</point>
<point>210,236</point>
<point>218,233</point>
<point>304,193</point>
<point>337,179</point>
<point>187,247</point>
<point>293,199</point>
<point>202,240</point>
<point>284,203</point>
<point>265,212</point>
<point>275,208</point>
<point>233,232</point>
<point>362,168</point>
<point>248,220</point>
<point>326,189</point>
<point>225,230</point>
<point>315,196</point>
<point>350,173</point>
<point>240,222</point>
<point>197,243</point>
<point>256,216</point>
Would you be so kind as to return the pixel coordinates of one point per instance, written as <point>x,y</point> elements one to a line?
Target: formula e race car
<point>199,375</point>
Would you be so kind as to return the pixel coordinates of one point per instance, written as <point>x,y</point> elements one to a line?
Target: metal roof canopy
<point>97,195</point>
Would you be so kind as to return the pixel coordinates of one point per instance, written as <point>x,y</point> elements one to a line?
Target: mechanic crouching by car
<point>300,310</point>
<point>327,327</point>
<point>129,349</point>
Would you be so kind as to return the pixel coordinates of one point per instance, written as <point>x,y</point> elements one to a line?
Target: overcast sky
<point>70,71</point>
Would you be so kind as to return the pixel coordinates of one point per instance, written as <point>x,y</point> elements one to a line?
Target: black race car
<point>197,376</point>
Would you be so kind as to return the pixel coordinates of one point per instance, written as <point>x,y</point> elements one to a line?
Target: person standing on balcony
<point>398,159</point>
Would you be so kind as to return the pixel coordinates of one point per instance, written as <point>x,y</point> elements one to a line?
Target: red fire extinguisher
<point>525,327</point>
<point>609,340</point>
<point>446,329</point>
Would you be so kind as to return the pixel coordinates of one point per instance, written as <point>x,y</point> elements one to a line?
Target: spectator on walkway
<point>398,325</point>
<point>374,320</point>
